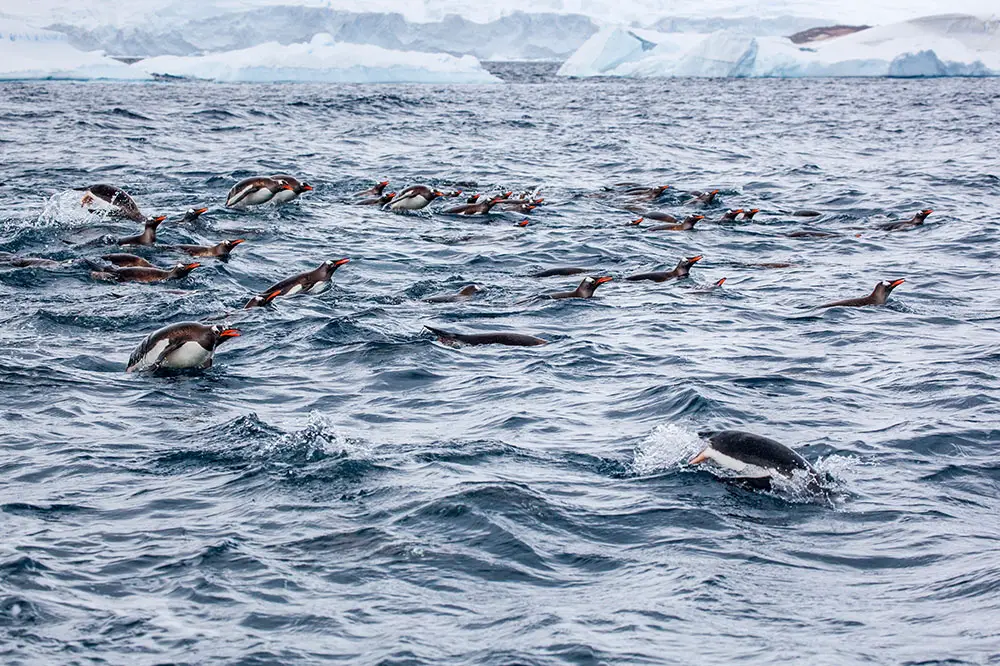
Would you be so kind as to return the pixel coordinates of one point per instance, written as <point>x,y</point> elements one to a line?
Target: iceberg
<point>322,60</point>
<point>32,53</point>
<point>942,45</point>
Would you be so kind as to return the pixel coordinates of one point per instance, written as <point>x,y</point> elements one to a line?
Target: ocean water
<point>340,487</point>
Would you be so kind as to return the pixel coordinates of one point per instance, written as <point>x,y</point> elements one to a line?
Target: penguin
<point>15,261</point>
<point>380,200</point>
<point>127,260</point>
<point>704,198</point>
<point>221,250</point>
<point>148,235</point>
<point>482,208</point>
<point>112,200</point>
<point>562,270</point>
<point>183,346</point>
<point>811,234</point>
<point>682,270</point>
<point>473,199</point>
<point>145,274</point>
<point>523,223</point>
<point>748,214</point>
<point>315,281</point>
<point>464,294</point>
<point>756,460</point>
<point>414,197</point>
<point>254,191</point>
<point>192,214</point>
<point>915,221</point>
<point>686,225</point>
<point>511,339</point>
<point>806,213</point>
<point>713,287</point>
<point>636,222</point>
<point>374,191</point>
<point>660,217</point>
<point>517,206</point>
<point>647,193</point>
<point>877,297</point>
<point>585,290</point>
<point>730,216</point>
<point>297,188</point>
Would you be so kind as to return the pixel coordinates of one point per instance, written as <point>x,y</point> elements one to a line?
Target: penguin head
<point>184,269</point>
<point>523,223</point>
<point>751,212</point>
<point>388,197</point>
<point>193,214</point>
<point>334,264</point>
<point>436,193</point>
<point>228,245</point>
<point>221,333</point>
<point>887,286</point>
<point>691,261</point>
<point>925,212</point>
<point>591,283</point>
<point>661,189</point>
<point>304,187</point>
<point>694,218</point>
<point>155,221</point>
<point>469,290</point>
<point>721,282</point>
<point>636,222</point>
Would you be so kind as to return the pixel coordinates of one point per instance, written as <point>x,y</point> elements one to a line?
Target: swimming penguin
<point>755,459</point>
<point>183,346</point>
<point>686,225</point>
<point>113,201</point>
<point>145,274</point>
<point>510,339</point>
<point>915,221</point>
<point>517,206</point>
<point>877,297</point>
<point>811,234</point>
<point>378,201</point>
<point>464,294</point>
<point>221,250</point>
<point>375,191</point>
<point>562,270</point>
<point>315,281</point>
<point>523,223</point>
<point>192,214</point>
<point>473,199</point>
<point>704,198</point>
<point>127,260</point>
<point>585,290</point>
<point>713,287</point>
<point>647,193</point>
<point>148,235</point>
<point>748,214</point>
<point>730,216</point>
<point>681,271</point>
<point>660,217</point>
<point>414,197</point>
<point>298,187</point>
<point>15,261</point>
<point>254,191</point>
<point>482,208</point>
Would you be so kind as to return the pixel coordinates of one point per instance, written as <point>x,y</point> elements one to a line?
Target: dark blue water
<point>341,487</point>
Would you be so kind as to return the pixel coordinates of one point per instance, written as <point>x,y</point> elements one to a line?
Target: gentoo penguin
<point>315,281</point>
<point>192,214</point>
<point>810,234</point>
<point>148,235</point>
<point>704,198</point>
<point>523,223</point>
<point>15,261</point>
<point>127,260</point>
<point>713,287</point>
<point>585,290</point>
<point>681,271</point>
<point>464,294</point>
<point>646,193</point>
<point>254,191</point>
<point>755,459</point>
<point>188,345</point>
<point>562,270</point>
<point>473,199</point>
<point>730,216</point>
<point>414,197</point>
<point>636,222</point>
<point>748,214</point>
<point>686,225</point>
<point>111,200</point>
<point>378,201</point>
<point>221,250</point>
<point>517,206</point>
<point>297,188</point>
<point>374,191</point>
<point>660,217</point>
<point>915,221</point>
<point>145,274</point>
<point>511,339</point>
<point>482,208</point>
<point>877,297</point>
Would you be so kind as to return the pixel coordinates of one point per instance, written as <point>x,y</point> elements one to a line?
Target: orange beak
<point>199,211</point>
<point>698,459</point>
<point>602,280</point>
<point>191,267</point>
<point>755,211</point>
<point>237,241</point>
<point>307,188</point>
<point>698,217</point>
<point>638,221</point>
<point>273,295</point>
<point>230,333</point>
<point>720,282</point>
<point>341,262</point>
<point>928,211</point>
<point>391,194</point>
<point>696,259</point>
<point>158,218</point>
<point>286,187</point>
<point>438,194</point>
<point>738,210</point>
<point>384,183</point>
<point>715,191</point>
<point>522,223</point>
<point>896,283</point>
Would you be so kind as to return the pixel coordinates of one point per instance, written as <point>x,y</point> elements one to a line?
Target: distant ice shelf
<point>943,45</point>
<point>31,53</point>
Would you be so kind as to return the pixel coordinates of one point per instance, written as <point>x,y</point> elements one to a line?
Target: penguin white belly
<point>149,358</point>
<point>319,287</point>
<point>744,469</point>
<point>98,205</point>
<point>294,289</point>
<point>188,355</point>
<point>409,203</point>
<point>284,196</point>
<point>257,197</point>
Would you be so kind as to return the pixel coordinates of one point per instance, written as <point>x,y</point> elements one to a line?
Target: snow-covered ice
<point>31,53</point>
<point>321,60</point>
<point>942,45</point>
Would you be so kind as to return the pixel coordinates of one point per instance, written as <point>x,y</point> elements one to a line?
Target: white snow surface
<point>31,53</point>
<point>941,45</point>
<point>321,60</point>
